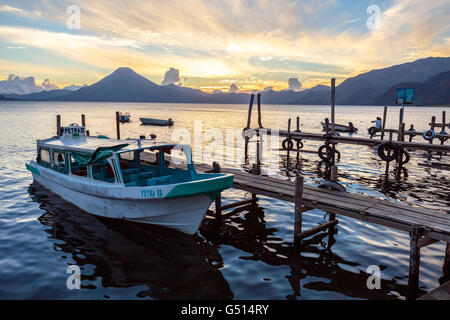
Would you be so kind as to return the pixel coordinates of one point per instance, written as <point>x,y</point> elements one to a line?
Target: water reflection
<point>245,229</point>
<point>171,264</point>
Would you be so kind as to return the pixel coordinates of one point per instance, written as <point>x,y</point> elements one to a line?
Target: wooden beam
<point>298,201</point>
<point>259,111</point>
<point>414,262</point>
<point>219,207</point>
<point>117,125</point>
<point>333,100</point>
<point>383,125</point>
<point>425,241</point>
<point>58,125</point>
<point>237,204</point>
<point>313,231</point>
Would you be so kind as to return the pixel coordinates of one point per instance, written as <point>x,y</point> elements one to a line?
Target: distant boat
<point>156,122</point>
<point>124,117</point>
<point>340,127</point>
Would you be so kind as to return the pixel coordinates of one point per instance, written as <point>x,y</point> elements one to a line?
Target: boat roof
<point>90,144</point>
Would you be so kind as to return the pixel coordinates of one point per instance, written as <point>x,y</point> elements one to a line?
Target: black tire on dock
<point>407,157</point>
<point>287,144</point>
<point>328,152</point>
<point>385,148</point>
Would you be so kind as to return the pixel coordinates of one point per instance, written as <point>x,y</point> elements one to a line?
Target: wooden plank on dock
<point>440,293</point>
<point>435,224</point>
<point>359,140</point>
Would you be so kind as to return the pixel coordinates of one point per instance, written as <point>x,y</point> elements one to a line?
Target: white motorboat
<point>106,177</point>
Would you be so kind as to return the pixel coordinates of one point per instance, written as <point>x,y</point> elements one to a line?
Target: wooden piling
<point>333,100</point>
<point>383,124</point>
<point>58,125</point>
<point>386,174</point>
<point>258,159</point>
<point>414,262</point>
<point>333,177</point>
<point>400,122</point>
<point>259,111</point>
<point>218,206</point>
<point>249,122</point>
<point>298,201</point>
<point>118,125</point>
<point>443,125</point>
<point>433,124</point>
<point>83,120</point>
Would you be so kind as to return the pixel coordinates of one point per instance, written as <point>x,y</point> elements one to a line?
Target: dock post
<point>333,177</point>
<point>443,125</point>
<point>414,262</point>
<point>259,111</point>
<point>400,121</point>
<point>249,122</point>
<point>386,174</point>
<point>218,206</point>
<point>117,125</point>
<point>58,125</point>
<point>333,100</point>
<point>258,159</point>
<point>383,125</point>
<point>401,137</point>
<point>298,201</point>
<point>446,267</point>
<point>83,120</point>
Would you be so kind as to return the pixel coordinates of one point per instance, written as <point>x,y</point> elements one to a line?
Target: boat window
<point>150,157</point>
<point>101,170</point>
<point>177,160</point>
<point>127,156</point>
<point>44,157</point>
<point>77,168</point>
<point>59,162</point>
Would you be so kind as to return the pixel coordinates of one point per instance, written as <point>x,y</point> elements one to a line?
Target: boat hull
<point>156,122</point>
<point>339,128</point>
<point>184,214</point>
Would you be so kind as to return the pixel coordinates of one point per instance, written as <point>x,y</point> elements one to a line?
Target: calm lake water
<point>247,255</point>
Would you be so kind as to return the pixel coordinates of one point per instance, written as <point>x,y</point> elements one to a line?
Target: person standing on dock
<point>373,130</point>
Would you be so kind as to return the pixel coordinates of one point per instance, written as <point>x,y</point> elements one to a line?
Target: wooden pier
<point>424,226</point>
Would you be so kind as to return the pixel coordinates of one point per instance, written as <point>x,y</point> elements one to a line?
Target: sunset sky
<point>253,44</point>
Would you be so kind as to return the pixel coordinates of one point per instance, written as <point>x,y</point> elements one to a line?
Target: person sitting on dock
<point>373,130</point>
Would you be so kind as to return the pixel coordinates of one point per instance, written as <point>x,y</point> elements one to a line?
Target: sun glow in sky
<point>254,44</point>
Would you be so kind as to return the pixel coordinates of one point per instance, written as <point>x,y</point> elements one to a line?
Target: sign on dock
<point>405,96</point>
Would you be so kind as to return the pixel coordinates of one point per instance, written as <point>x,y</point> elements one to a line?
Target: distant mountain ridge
<point>377,87</point>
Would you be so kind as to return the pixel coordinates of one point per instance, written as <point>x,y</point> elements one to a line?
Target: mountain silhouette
<point>370,88</point>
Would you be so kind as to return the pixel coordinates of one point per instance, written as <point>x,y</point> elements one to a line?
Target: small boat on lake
<point>340,127</point>
<point>106,177</point>
<point>156,122</point>
<point>124,117</point>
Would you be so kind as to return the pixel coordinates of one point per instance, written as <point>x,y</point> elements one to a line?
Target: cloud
<point>172,76</point>
<point>214,40</point>
<point>233,88</point>
<point>49,86</point>
<point>24,85</point>
<point>294,84</point>
<point>74,87</point>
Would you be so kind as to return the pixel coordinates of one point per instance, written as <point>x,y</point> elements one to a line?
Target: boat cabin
<point>115,161</point>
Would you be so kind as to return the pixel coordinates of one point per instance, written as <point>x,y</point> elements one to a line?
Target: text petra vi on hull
<point>106,177</point>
